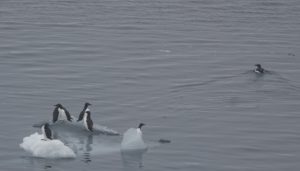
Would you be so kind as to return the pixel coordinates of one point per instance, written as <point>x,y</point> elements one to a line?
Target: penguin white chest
<point>43,132</point>
<point>257,71</point>
<point>62,114</point>
<point>139,132</point>
<point>85,121</point>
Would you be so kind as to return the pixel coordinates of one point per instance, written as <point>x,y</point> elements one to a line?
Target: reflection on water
<point>45,164</point>
<point>79,141</point>
<point>87,148</point>
<point>86,144</point>
<point>132,159</point>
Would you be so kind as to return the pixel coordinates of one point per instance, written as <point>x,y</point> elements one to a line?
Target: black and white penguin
<point>139,128</point>
<point>47,133</point>
<point>85,108</point>
<point>259,69</point>
<point>61,113</point>
<point>87,121</point>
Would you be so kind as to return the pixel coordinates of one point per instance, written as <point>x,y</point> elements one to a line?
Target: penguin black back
<point>259,69</point>
<point>47,131</point>
<point>89,122</point>
<point>86,105</point>
<point>56,113</point>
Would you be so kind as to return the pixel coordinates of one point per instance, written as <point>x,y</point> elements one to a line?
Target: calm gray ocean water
<point>183,67</point>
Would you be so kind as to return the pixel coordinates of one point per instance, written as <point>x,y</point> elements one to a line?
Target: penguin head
<point>87,104</point>
<point>258,65</point>
<point>59,105</point>
<point>140,125</point>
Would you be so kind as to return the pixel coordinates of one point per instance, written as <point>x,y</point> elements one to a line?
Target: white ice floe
<point>39,147</point>
<point>133,140</point>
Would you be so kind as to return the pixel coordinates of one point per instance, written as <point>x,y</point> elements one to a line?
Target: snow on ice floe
<point>38,147</point>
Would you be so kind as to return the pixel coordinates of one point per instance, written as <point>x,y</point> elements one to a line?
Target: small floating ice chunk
<point>38,147</point>
<point>133,140</point>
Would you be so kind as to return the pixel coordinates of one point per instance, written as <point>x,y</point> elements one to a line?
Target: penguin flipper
<point>80,116</point>
<point>55,115</point>
<point>68,115</point>
<point>48,133</point>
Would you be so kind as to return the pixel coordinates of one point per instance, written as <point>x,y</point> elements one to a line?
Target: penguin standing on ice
<point>47,133</point>
<point>85,108</point>
<point>61,113</point>
<point>87,121</point>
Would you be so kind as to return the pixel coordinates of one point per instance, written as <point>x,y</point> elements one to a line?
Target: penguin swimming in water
<point>47,133</point>
<point>87,121</point>
<point>259,69</point>
<point>85,108</point>
<point>61,113</point>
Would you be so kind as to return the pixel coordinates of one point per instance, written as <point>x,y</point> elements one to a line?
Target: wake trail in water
<point>178,88</point>
<point>284,80</point>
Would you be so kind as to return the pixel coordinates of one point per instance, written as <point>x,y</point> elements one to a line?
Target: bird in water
<point>87,121</point>
<point>61,113</point>
<point>85,108</point>
<point>259,69</point>
<point>47,133</point>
